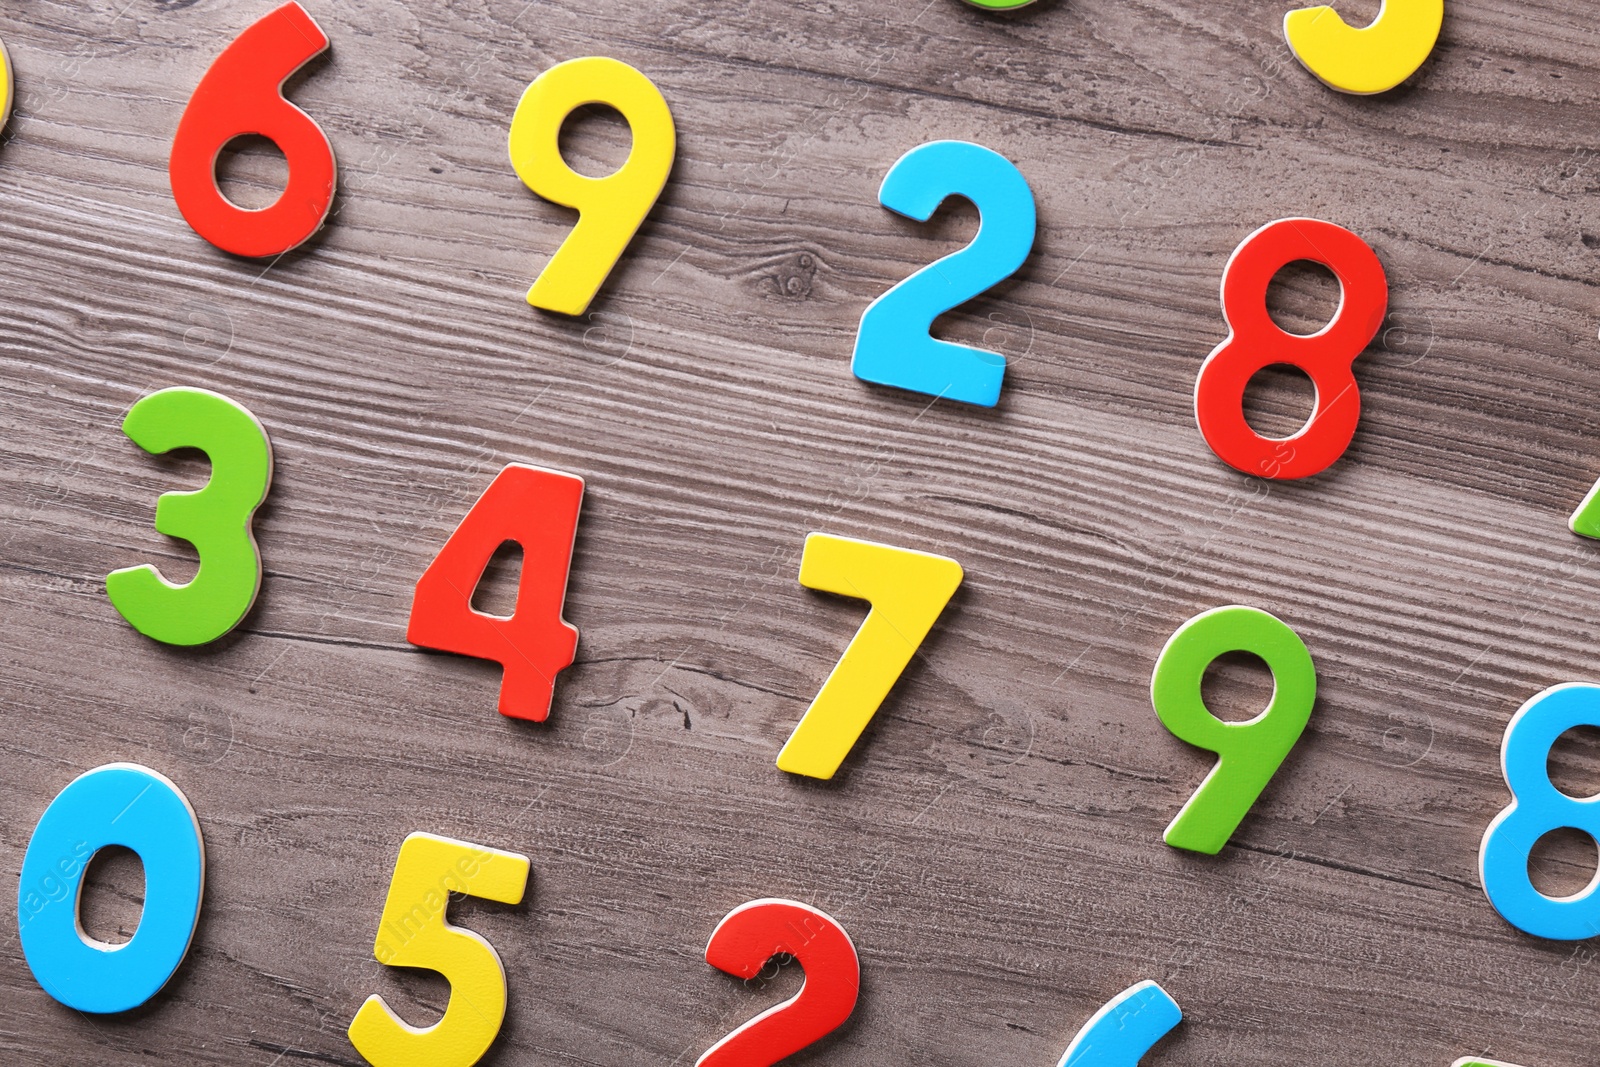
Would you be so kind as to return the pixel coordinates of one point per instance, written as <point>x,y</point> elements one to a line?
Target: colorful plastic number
<point>538,510</point>
<point>1249,752</point>
<point>414,932</point>
<point>908,590</point>
<point>1536,808</point>
<point>610,209</point>
<point>1119,1034</point>
<point>741,945</point>
<point>1254,341</point>
<point>1586,519</point>
<point>118,804</point>
<point>1000,5</point>
<point>7,80</point>
<point>215,519</point>
<point>893,346</point>
<point>1369,60</point>
<point>242,94</point>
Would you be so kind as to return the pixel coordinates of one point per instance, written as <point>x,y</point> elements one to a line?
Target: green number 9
<point>215,519</point>
<point>1248,753</point>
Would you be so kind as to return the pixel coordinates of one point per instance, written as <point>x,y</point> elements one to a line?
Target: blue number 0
<point>118,804</point>
<point>893,346</point>
<point>1537,807</point>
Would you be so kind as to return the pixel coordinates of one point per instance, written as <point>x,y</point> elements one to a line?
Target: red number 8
<point>1255,341</point>
<point>242,94</point>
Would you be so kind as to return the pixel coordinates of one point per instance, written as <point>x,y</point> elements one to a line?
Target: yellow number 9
<point>1373,59</point>
<point>610,209</point>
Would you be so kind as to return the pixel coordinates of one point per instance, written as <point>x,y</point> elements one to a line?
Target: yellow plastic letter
<point>1369,60</point>
<point>908,590</point>
<point>414,932</point>
<point>6,79</point>
<point>610,209</point>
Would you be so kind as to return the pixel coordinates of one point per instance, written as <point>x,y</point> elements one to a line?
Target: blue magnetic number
<point>118,804</point>
<point>893,346</point>
<point>1125,1029</point>
<point>1537,807</point>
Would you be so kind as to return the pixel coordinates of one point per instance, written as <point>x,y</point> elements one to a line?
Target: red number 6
<point>242,94</point>
<point>1255,341</point>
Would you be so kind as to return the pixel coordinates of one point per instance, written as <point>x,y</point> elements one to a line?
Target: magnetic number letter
<point>1586,519</point>
<point>741,945</point>
<point>242,94</point>
<point>610,209</point>
<point>414,932</point>
<point>1369,60</point>
<point>1127,1027</point>
<point>1536,808</point>
<point>537,509</point>
<point>7,80</point>
<point>893,346</point>
<point>907,590</point>
<point>1254,341</point>
<point>1248,753</point>
<point>118,804</point>
<point>215,519</point>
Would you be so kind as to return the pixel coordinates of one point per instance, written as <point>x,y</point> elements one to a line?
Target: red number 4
<point>538,510</point>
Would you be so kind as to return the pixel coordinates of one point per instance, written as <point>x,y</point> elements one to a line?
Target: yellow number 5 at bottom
<point>415,933</point>
<point>908,590</point>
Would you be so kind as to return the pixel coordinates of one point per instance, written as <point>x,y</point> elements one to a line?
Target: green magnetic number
<point>215,519</point>
<point>1248,753</point>
<point>999,5</point>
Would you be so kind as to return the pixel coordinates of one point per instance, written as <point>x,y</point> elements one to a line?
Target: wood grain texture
<point>993,845</point>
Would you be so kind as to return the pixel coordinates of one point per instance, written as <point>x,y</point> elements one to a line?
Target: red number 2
<point>1255,341</point>
<point>537,509</point>
<point>242,94</point>
<point>741,945</point>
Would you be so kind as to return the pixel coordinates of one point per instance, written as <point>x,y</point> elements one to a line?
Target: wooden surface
<point>993,843</point>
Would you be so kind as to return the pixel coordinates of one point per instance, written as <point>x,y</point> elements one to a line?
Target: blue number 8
<point>1537,807</point>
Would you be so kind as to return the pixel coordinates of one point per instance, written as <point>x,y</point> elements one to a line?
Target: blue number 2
<point>893,346</point>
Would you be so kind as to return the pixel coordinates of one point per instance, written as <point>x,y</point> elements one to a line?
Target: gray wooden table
<point>993,844</point>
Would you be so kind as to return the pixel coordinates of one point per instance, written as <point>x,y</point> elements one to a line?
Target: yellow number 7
<point>414,932</point>
<point>908,590</point>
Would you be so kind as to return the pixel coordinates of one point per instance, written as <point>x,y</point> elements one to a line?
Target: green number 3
<point>1248,753</point>
<point>215,519</point>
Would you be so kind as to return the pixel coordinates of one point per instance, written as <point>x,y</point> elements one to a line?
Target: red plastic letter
<point>242,94</point>
<point>1255,341</point>
<point>537,509</point>
<point>741,945</point>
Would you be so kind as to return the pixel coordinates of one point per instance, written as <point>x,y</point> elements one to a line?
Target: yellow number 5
<point>610,209</point>
<point>1369,60</point>
<point>415,933</point>
<point>908,591</point>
